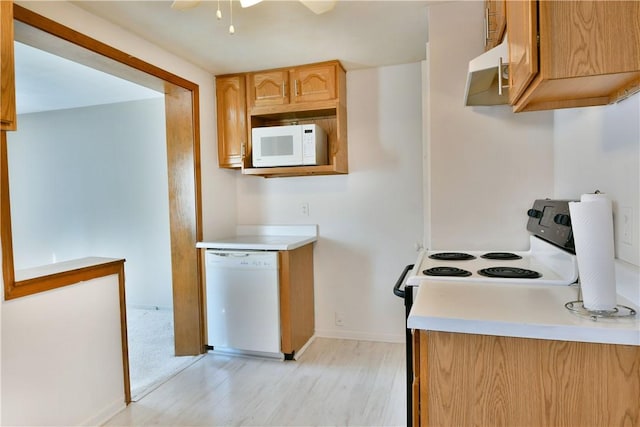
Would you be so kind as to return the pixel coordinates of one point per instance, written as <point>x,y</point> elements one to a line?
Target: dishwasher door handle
<point>230,254</point>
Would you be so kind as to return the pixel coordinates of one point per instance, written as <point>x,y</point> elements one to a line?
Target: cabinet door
<point>297,318</point>
<point>269,88</point>
<point>314,83</point>
<point>523,45</point>
<point>495,22</point>
<point>7,72</point>
<point>232,125</point>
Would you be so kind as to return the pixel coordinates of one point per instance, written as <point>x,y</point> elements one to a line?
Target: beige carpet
<point>151,351</point>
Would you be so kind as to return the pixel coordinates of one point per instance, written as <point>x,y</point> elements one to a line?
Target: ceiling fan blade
<point>319,6</point>
<point>184,4</point>
<point>249,3</point>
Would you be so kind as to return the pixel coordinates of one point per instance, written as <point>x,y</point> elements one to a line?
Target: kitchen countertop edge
<point>517,313</point>
<point>256,243</point>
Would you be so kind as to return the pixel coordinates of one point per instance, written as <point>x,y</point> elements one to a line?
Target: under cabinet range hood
<point>486,78</point>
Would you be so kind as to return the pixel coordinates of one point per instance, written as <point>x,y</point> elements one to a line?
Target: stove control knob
<point>534,213</point>
<point>562,219</point>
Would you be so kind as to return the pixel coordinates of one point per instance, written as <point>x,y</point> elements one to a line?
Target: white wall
<point>93,182</point>
<point>486,164</point>
<point>598,148</point>
<point>219,210</point>
<point>62,356</point>
<point>218,185</point>
<point>369,220</point>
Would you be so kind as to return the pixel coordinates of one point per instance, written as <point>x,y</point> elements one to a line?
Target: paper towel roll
<point>592,223</point>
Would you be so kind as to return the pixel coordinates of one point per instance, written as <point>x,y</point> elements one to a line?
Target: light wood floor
<point>335,383</point>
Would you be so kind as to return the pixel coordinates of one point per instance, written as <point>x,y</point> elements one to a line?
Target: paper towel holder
<point>619,311</point>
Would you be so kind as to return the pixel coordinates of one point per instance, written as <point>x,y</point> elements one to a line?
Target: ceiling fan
<point>316,6</point>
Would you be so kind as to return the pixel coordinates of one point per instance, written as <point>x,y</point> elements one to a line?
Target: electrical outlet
<point>626,222</point>
<point>338,318</point>
<point>304,209</point>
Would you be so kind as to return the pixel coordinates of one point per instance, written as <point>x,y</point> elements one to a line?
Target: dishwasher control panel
<point>243,259</point>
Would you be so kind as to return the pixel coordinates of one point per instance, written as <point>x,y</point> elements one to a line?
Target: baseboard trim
<point>359,335</point>
<point>298,353</point>
<point>107,413</point>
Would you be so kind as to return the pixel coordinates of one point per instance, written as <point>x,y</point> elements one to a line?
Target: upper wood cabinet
<point>232,120</point>
<point>565,54</point>
<point>314,83</point>
<point>268,88</point>
<point>307,83</point>
<point>312,93</point>
<point>7,69</point>
<point>495,22</point>
<point>523,47</point>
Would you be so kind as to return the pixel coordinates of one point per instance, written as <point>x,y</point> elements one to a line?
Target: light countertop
<point>526,311</point>
<point>265,238</point>
<point>61,267</point>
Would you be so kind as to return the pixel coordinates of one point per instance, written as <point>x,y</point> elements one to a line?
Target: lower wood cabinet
<point>297,316</point>
<point>482,380</point>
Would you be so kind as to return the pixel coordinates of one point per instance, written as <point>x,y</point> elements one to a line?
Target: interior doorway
<point>182,143</point>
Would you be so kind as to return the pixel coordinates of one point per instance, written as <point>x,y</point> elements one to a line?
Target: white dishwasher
<point>243,302</point>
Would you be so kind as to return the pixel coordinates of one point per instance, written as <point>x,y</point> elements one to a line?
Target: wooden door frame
<point>183,143</point>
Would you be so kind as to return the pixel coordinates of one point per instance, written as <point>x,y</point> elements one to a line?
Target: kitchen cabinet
<point>297,315</point>
<point>232,120</point>
<point>7,69</point>
<point>313,94</point>
<point>565,54</point>
<point>305,94</point>
<point>468,379</point>
<point>495,22</point>
<point>302,84</point>
<point>314,82</point>
<point>268,88</point>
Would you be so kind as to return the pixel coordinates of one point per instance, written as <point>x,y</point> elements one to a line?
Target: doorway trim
<point>183,156</point>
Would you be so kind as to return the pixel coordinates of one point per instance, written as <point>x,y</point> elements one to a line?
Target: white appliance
<point>543,264</point>
<point>243,301</point>
<point>550,260</point>
<point>293,145</point>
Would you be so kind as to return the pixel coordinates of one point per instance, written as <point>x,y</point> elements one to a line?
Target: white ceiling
<point>274,33</point>
<point>47,82</point>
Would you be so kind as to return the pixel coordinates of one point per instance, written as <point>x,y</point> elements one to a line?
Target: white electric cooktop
<point>553,265</point>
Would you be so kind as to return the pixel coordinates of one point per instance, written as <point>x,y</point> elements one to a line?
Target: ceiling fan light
<point>184,4</point>
<point>249,3</point>
<point>319,6</point>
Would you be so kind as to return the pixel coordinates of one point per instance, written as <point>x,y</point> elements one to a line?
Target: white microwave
<point>295,145</point>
